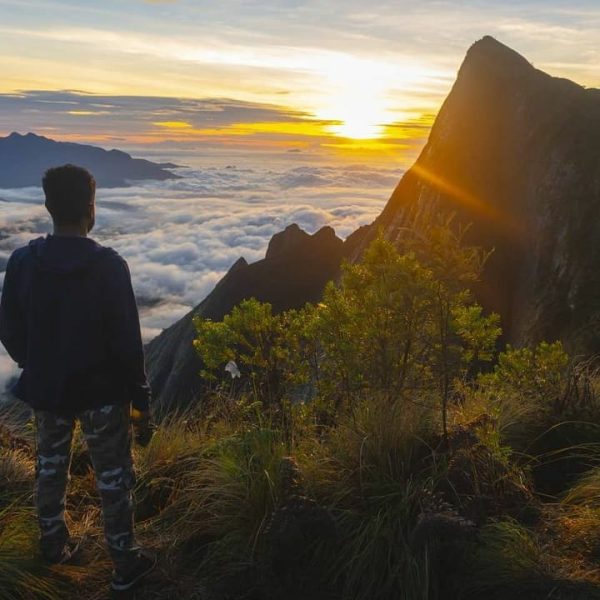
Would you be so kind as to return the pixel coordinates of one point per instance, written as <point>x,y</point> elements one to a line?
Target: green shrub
<point>549,412</point>
<point>264,346</point>
<point>391,328</point>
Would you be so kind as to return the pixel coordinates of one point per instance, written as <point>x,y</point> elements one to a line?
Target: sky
<point>348,78</point>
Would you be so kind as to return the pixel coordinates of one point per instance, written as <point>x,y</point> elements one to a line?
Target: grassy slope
<point>416,517</point>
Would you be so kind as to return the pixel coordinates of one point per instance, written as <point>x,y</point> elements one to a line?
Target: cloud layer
<point>180,237</point>
<point>283,51</point>
<point>84,114</point>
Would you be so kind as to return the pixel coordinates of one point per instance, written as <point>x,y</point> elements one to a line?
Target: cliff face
<point>516,153</point>
<point>294,271</point>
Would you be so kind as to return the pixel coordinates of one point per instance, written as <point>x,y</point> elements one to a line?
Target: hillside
<point>386,485</point>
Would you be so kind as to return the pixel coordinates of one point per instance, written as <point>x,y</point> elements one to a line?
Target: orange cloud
<point>294,128</point>
<point>173,124</point>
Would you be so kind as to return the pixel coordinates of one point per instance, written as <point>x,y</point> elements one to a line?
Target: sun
<point>357,98</point>
<point>361,97</point>
<point>360,119</point>
<point>359,104</point>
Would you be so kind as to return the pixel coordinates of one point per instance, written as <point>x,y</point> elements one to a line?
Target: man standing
<point>68,317</point>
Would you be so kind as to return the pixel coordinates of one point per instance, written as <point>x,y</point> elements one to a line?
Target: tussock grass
<point>21,576</point>
<point>16,475</point>
<point>227,495</point>
<point>210,480</point>
<point>586,492</point>
<point>506,559</point>
<point>377,478</point>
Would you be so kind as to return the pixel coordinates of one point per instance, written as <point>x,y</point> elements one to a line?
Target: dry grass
<point>207,486</point>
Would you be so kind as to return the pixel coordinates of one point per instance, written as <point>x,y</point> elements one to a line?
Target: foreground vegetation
<point>373,447</point>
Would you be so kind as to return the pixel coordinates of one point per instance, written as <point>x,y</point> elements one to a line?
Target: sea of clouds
<point>180,236</point>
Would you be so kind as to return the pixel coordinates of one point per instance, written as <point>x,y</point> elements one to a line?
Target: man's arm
<point>124,334</point>
<point>13,327</point>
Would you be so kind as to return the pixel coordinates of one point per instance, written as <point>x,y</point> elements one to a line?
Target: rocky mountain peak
<point>489,53</point>
<point>286,240</point>
<point>327,234</point>
<point>239,264</point>
<point>514,152</point>
<point>295,239</point>
<point>295,270</point>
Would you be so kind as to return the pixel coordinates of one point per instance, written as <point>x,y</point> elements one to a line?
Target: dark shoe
<point>125,579</point>
<point>66,555</point>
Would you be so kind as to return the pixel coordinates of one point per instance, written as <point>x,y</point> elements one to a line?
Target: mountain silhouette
<point>514,152</point>
<point>294,271</point>
<point>25,158</point>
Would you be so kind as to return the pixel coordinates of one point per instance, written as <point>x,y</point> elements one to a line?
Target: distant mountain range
<point>513,151</point>
<point>25,158</point>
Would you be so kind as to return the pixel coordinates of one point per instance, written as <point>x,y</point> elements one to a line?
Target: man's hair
<point>70,191</point>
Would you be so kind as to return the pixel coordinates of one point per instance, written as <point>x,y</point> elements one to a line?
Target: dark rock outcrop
<point>289,538</point>
<point>295,270</point>
<point>516,153</point>
<point>25,158</point>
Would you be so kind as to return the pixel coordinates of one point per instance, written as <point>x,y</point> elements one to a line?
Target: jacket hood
<point>66,254</point>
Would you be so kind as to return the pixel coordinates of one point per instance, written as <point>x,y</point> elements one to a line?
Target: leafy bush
<point>264,345</point>
<point>548,409</point>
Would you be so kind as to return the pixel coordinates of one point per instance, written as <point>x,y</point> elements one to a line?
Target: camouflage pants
<point>107,432</point>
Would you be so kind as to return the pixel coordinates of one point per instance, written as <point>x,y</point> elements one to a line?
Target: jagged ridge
<point>294,271</point>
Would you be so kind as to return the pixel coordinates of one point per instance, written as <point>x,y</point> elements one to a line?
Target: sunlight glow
<point>468,199</point>
<point>341,94</point>
<point>361,94</point>
<point>88,113</point>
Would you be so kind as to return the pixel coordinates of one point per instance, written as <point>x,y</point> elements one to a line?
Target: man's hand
<point>142,426</point>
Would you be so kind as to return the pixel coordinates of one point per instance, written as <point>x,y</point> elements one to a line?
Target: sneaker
<point>66,555</point>
<point>143,564</point>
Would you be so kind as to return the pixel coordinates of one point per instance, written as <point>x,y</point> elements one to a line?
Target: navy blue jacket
<point>68,317</point>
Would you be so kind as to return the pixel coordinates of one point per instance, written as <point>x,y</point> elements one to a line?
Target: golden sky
<point>342,76</point>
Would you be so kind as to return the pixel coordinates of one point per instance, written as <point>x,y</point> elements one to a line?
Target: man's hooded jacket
<point>68,317</point>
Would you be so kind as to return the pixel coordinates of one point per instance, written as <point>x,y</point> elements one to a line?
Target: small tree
<point>371,327</point>
<point>263,345</point>
<point>400,327</point>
